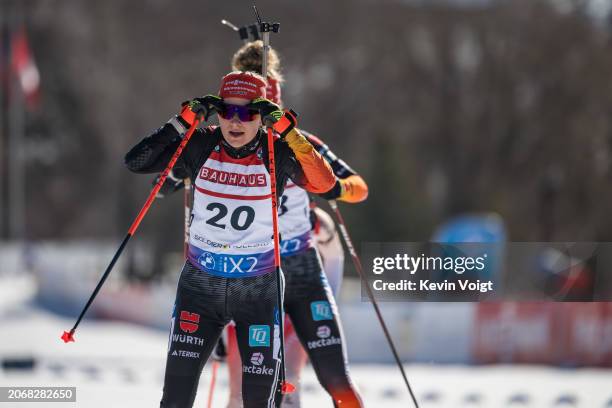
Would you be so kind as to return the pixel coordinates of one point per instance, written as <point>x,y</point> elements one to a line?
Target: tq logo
<point>189,321</point>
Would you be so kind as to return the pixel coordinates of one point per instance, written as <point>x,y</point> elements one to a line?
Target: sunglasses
<point>244,114</point>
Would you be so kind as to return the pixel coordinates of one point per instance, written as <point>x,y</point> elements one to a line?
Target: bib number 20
<point>241,218</point>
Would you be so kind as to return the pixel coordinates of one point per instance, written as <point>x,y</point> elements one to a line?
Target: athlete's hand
<point>270,112</point>
<point>171,184</point>
<point>204,106</point>
<point>273,116</point>
<point>213,103</point>
<point>190,110</point>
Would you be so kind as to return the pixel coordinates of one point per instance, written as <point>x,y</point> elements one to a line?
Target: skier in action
<point>309,303</point>
<point>228,274</point>
<point>300,227</point>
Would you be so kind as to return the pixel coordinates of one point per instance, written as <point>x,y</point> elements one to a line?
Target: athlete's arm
<point>349,186</point>
<point>152,154</point>
<point>318,174</point>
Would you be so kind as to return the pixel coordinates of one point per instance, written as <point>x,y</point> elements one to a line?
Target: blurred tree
<point>443,109</point>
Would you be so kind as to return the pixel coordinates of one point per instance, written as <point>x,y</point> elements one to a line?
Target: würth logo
<point>189,321</point>
<point>233,179</point>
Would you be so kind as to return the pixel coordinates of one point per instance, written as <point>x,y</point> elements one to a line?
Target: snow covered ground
<point>121,365</point>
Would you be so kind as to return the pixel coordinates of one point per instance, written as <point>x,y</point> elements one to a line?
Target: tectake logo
<point>321,310</point>
<point>323,332</point>
<point>258,368</point>
<point>257,359</point>
<point>259,336</point>
<point>330,341</point>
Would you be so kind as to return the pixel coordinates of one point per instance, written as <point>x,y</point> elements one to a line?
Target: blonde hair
<point>249,58</point>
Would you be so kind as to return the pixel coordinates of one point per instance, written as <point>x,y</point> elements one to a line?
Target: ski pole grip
<point>286,123</point>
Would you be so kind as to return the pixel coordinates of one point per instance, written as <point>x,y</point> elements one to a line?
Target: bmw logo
<point>207,260</point>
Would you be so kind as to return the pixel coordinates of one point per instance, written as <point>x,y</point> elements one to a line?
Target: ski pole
<point>186,199</point>
<point>213,381</point>
<point>266,28</point>
<point>286,387</point>
<point>357,263</point>
<point>69,336</point>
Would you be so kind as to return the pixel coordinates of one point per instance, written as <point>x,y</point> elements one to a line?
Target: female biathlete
<point>309,302</point>
<point>229,273</point>
<point>305,282</point>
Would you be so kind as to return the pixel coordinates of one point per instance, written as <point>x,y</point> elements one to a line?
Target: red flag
<point>24,67</point>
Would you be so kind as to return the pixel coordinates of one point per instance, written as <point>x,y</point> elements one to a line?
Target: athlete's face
<point>236,132</point>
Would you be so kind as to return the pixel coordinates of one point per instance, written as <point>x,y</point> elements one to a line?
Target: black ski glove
<point>205,106</point>
<point>272,116</point>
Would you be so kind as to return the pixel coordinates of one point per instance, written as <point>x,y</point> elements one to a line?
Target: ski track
<point>121,365</point>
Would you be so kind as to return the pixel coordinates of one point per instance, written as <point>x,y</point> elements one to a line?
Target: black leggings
<point>204,305</point>
<point>311,306</point>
